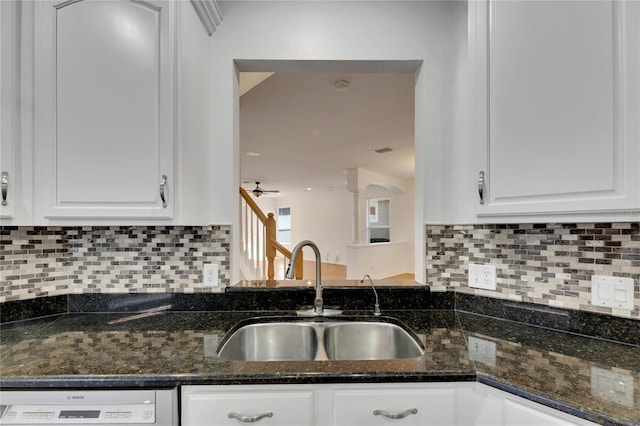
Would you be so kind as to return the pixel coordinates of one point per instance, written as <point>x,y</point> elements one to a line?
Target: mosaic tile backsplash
<point>49,261</point>
<point>546,264</point>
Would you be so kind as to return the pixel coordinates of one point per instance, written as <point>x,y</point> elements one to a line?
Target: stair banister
<point>269,233</point>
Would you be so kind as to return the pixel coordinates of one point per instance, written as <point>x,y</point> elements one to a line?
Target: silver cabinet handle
<point>5,186</point>
<point>481,187</point>
<point>249,419</point>
<point>163,184</point>
<point>395,416</point>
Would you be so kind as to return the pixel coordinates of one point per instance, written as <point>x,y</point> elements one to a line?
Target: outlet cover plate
<point>482,350</point>
<point>613,292</point>
<point>210,275</point>
<point>210,345</point>
<point>482,276</point>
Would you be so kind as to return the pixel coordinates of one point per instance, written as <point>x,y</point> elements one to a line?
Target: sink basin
<point>369,340</point>
<point>291,340</point>
<point>274,341</point>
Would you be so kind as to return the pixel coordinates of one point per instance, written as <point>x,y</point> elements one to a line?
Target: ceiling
<point>308,133</point>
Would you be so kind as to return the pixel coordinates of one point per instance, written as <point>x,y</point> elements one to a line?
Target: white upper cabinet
<point>556,111</point>
<point>104,117</point>
<point>8,110</point>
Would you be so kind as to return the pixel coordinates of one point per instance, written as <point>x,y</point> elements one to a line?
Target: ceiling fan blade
<point>257,191</point>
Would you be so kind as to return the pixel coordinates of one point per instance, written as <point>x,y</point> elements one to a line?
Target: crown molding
<point>209,13</point>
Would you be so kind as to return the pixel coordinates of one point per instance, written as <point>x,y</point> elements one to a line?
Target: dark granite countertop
<point>590,377</point>
<point>169,348</point>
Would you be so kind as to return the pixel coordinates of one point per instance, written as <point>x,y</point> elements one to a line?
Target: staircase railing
<point>258,235</point>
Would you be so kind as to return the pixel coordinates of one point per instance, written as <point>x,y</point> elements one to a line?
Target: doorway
<point>310,121</point>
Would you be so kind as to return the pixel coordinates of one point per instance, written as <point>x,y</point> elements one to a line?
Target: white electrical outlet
<point>210,275</point>
<point>482,276</point>
<point>612,386</point>
<point>482,350</point>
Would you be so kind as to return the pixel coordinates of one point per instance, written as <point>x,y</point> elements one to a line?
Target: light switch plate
<point>612,292</point>
<point>612,386</point>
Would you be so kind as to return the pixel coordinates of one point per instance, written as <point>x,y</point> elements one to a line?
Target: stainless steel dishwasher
<point>89,407</point>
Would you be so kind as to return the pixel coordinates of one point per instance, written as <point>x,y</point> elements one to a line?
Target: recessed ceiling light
<point>308,189</point>
<point>253,154</point>
<point>383,150</point>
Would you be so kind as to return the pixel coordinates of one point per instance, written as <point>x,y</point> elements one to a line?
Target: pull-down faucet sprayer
<point>318,304</point>
<point>376,310</point>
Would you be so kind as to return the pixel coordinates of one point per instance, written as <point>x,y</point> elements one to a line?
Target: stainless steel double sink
<point>320,340</point>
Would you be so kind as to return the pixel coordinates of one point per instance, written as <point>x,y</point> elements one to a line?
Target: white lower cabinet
<point>379,405</point>
<point>235,405</point>
<point>482,405</point>
<point>424,404</point>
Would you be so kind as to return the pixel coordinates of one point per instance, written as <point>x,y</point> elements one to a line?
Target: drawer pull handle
<point>163,184</point>
<point>5,187</point>
<point>395,416</point>
<point>249,419</point>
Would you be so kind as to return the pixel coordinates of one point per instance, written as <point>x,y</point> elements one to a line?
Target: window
<point>284,225</point>
<point>378,228</point>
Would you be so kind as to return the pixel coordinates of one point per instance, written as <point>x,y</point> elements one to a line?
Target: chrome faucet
<point>317,303</point>
<point>376,309</point>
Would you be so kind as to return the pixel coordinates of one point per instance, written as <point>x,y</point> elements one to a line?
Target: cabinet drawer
<point>213,407</point>
<point>357,407</point>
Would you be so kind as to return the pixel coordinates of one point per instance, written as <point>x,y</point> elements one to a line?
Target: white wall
<point>267,203</point>
<point>401,208</point>
<point>378,260</point>
<point>397,257</point>
<point>359,30</point>
<point>323,217</point>
<point>195,133</point>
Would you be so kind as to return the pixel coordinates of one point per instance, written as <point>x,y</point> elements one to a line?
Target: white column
<point>357,214</point>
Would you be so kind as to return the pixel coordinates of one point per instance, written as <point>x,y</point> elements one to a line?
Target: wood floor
<point>405,276</point>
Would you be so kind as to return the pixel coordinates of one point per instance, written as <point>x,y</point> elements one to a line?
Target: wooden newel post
<point>270,247</point>
<point>299,268</point>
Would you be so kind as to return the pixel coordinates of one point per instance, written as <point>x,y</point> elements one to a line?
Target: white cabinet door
<point>457,403</point>
<point>556,108</point>
<point>517,414</point>
<point>236,405</point>
<point>9,73</point>
<point>104,95</point>
<point>412,406</point>
<point>495,407</point>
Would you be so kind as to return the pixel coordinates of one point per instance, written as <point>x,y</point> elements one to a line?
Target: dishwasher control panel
<point>19,414</point>
<point>108,407</point>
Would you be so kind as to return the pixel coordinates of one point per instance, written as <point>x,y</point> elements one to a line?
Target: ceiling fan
<point>259,191</point>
